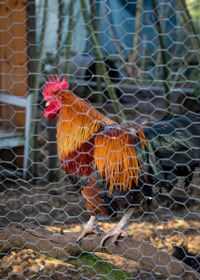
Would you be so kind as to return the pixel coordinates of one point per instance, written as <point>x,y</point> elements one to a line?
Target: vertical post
<point>163,57</point>
<point>36,84</point>
<point>69,36</point>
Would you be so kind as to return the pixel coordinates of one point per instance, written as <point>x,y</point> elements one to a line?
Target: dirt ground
<point>171,220</point>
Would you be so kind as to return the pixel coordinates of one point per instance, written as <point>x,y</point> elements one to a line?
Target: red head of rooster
<point>51,95</point>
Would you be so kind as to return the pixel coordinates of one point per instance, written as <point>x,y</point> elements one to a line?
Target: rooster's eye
<point>47,103</point>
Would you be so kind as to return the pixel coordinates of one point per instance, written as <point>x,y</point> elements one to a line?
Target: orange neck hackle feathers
<point>77,123</point>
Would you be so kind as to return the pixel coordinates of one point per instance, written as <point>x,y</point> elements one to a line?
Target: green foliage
<point>194,10</point>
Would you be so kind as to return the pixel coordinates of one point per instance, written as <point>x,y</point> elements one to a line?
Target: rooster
<point>118,166</point>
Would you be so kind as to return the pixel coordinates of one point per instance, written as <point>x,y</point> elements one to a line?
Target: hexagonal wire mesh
<point>137,63</point>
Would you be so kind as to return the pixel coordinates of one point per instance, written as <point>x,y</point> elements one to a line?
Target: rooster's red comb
<point>53,86</point>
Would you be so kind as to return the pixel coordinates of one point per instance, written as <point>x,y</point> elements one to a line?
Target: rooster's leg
<point>89,228</point>
<point>118,230</point>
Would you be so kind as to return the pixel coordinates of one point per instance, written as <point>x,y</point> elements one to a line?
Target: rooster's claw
<point>116,234</point>
<point>85,233</point>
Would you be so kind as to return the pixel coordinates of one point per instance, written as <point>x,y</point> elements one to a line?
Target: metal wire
<point>136,62</point>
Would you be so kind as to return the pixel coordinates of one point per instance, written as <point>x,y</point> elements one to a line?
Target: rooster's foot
<point>86,232</point>
<point>119,230</point>
<point>116,234</point>
<point>90,228</point>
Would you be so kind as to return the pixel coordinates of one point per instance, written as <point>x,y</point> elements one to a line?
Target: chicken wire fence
<point>136,62</point>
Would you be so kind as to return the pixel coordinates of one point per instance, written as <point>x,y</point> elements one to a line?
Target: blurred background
<point>135,61</point>
<point>148,49</point>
